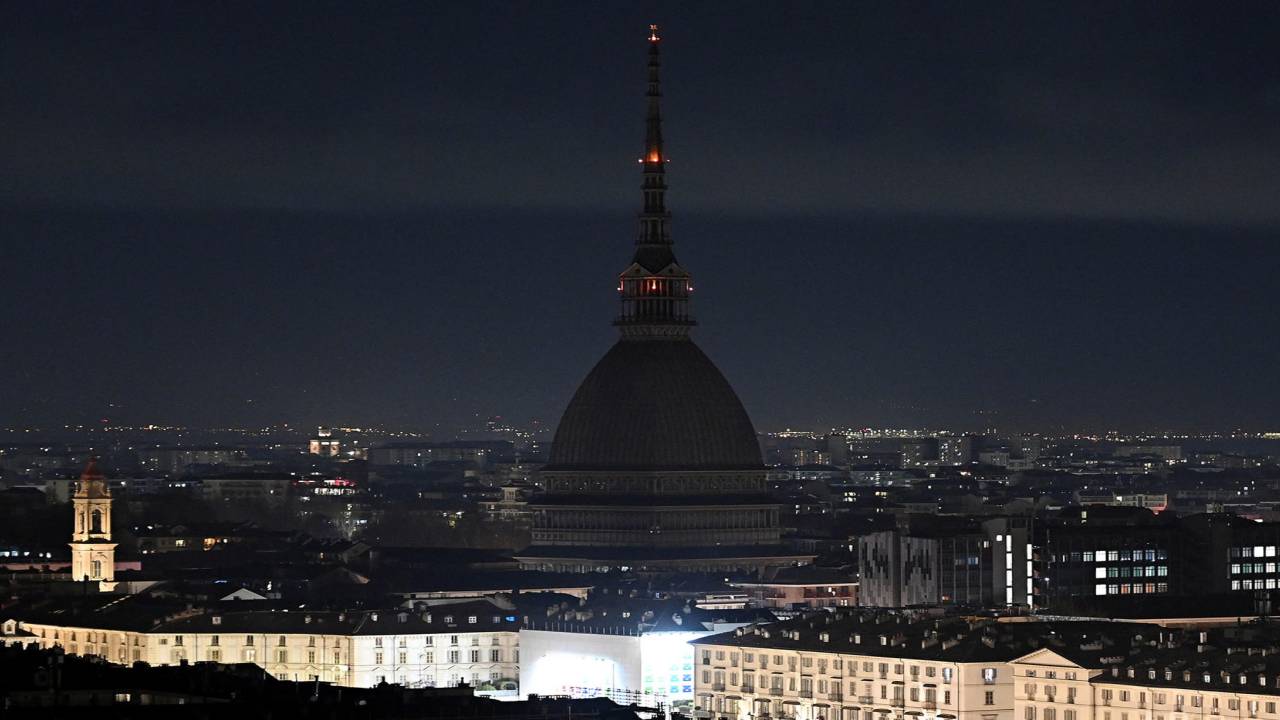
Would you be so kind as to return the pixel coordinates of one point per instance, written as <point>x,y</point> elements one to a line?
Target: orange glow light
<point>653,156</point>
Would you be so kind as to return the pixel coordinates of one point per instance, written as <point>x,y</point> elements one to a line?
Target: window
<point>989,698</point>
<point>248,640</point>
<point>453,656</point>
<point>475,656</point>
<point>988,676</point>
<point>404,658</point>
<point>311,657</point>
<point>177,640</point>
<point>471,619</point>
<point>377,658</point>
<point>495,655</point>
<point>428,657</point>
<point>282,656</point>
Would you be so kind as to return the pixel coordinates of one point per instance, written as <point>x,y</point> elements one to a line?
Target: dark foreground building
<point>49,684</point>
<point>655,464</point>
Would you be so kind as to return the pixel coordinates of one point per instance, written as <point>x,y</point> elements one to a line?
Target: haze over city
<point>1025,216</point>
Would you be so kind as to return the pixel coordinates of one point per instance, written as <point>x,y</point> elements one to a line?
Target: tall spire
<point>655,228</point>
<point>655,289</point>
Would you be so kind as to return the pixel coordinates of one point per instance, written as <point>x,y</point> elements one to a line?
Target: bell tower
<point>93,555</point>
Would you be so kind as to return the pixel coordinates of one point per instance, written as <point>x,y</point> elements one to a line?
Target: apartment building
<point>476,643</point>
<point>846,665</point>
<point>1155,674</point>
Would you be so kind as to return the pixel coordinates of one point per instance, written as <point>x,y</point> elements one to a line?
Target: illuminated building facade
<point>475,643</point>
<point>93,555</point>
<point>1157,674</point>
<point>324,444</point>
<point>630,650</point>
<point>988,564</point>
<point>655,463</point>
<point>873,666</point>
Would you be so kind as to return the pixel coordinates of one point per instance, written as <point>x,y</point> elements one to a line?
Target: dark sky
<point>965,214</point>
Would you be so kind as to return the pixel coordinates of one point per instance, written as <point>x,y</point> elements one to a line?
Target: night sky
<point>958,214</point>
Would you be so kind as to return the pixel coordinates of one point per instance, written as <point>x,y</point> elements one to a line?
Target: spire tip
<point>653,34</point>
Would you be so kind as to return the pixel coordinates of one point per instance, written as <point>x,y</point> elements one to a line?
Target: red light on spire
<point>653,33</point>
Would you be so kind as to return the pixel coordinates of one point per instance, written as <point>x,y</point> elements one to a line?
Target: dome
<point>655,405</point>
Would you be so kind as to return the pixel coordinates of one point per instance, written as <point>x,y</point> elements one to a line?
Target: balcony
<point>717,687</point>
<point>865,700</point>
<point>930,704</point>
<point>835,697</point>
<point>775,691</point>
<point>898,702</point>
<point>806,693</point>
<point>748,689</point>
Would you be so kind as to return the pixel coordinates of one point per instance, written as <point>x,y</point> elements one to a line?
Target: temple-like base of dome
<point>756,559</point>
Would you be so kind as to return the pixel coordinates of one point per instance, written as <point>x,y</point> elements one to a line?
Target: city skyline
<point>972,415</point>
<point>843,278</point>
